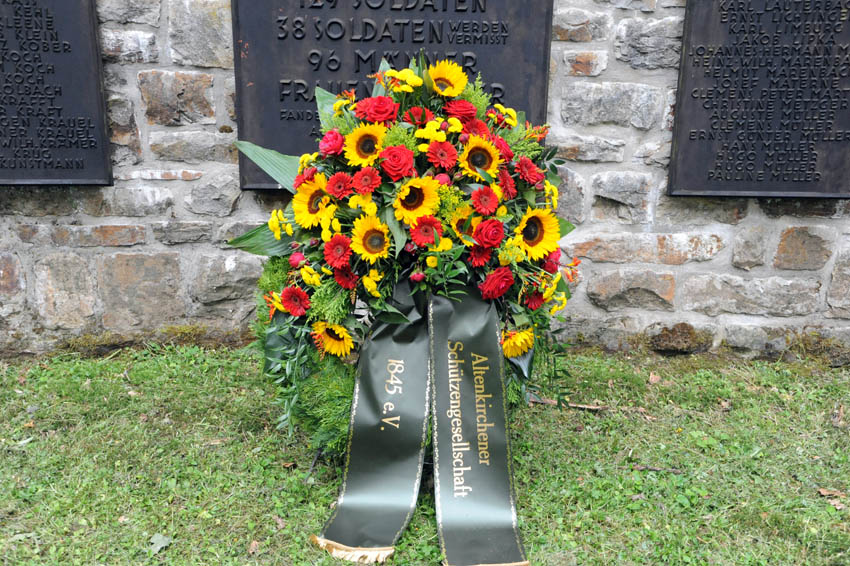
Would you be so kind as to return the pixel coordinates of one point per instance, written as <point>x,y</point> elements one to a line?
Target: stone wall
<point>149,252</point>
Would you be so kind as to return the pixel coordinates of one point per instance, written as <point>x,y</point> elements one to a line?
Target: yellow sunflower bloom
<point>459,224</point>
<point>480,154</point>
<point>448,77</point>
<point>538,233</point>
<point>333,339</point>
<point>364,145</point>
<point>416,198</point>
<point>370,238</point>
<point>310,201</point>
<point>517,342</point>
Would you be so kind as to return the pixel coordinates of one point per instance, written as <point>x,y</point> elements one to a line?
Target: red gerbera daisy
<point>346,278</point>
<point>485,201</point>
<point>295,301</point>
<point>479,255</point>
<point>418,116</point>
<point>366,180</point>
<point>503,147</point>
<point>422,231</point>
<point>307,175</point>
<point>529,171</point>
<point>507,184</point>
<point>534,300</point>
<point>442,154</point>
<point>338,251</point>
<point>476,127</point>
<point>339,185</point>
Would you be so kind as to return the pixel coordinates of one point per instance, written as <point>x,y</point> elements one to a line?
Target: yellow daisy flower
<point>310,276</point>
<point>364,203</point>
<point>416,198</point>
<point>364,145</point>
<point>517,342</point>
<point>480,154</point>
<point>332,338</point>
<point>431,261</point>
<point>448,77</point>
<point>538,233</point>
<point>370,282</point>
<point>560,305</point>
<point>370,238</point>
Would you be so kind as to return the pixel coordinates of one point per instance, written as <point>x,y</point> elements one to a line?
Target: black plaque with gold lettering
<point>763,105</point>
<point>52,115</point>
<point>285,48</point>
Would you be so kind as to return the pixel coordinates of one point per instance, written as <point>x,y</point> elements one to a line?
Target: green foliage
<point>475,93</point>
<point>330,302</point>
<point>281,168</point>
<point>401,135</point>
<point>527,147</point>
<point>451,198</point>
<point>275,274</point>
<point>324,408</point>
<point>344,123</point>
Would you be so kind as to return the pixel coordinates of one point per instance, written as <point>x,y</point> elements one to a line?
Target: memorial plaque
<point>762,106</point>
<point>285,48</point>
<point>52,124</point>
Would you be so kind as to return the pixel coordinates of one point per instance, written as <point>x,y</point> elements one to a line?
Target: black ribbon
<point>449,362</point>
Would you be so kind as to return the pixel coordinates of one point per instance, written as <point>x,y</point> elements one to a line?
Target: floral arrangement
<point>425,181</point>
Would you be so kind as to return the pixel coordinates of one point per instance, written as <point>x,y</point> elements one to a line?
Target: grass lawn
<point>169,455</point>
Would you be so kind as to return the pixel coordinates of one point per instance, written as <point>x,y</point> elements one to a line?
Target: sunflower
<point>480,154</point>
<point>538,233</point>
<point>332,338</point>
<point>416,198</point>
<point>364,145</point>
<point>448,77</point>
<point>459,224</point>
<point>370,238</point>
<point>517,342</point>
<point>310,201</point>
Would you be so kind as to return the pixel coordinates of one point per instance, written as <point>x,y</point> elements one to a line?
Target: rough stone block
<point>12,281</point>
<point>66,292</point>
<point>750,247</point>
<point>574,147</point>
<point>193,147</point>
<point>124,132</point>
<point>134,202</point>
<point>216,195</point>
<point>649,44</point>
<point>667,249</point>
<point>129,11</point>
<point>94,236</point>
<point>585,63</point>
<point>632,288</point>
<point>230,97</point>
<point>621,104</point>
<point>46,201</point>
<point>182,232</point>
<point>804,248</point>
<point>642,5</point>
<point>128,46</point>
<point>621,196</point>
<point>201,33</point>
<point>696,211</point>
<point>838,297</point>
<point>139,290</point>
<point>752,339</point>
<point>803,208</point>
<point>681,338</point>
<point>226,278</point>
<point>774,296</point>
<point>159,175</point>
<point>572,191</point>
<point>572,24</point>
<point>654,154</point>
<point>175,98</point>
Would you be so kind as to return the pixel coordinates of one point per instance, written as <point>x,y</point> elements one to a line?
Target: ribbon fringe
<point>359,555</point>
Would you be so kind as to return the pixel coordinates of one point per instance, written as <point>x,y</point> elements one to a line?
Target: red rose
<point>397,162</point>
<point>503,147</point>
<point>497,283</point>
<point>443,179</point>
<point>479,256</point>
<point>377,109</point>
<point>529,171</point>
<point>490,233</point>
<point>417,277</point>
<point>534,300</point>
<point>477,128</point>
<point>418,116</point>
<point>552,260</point>
<point>333,143</point>
<point>296,259</point>
<point>507,184</point>
<point>463,110</point>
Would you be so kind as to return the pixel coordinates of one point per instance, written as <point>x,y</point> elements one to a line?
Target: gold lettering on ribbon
<point>393,386</point>
<point>454,412</point>
<point>479,368</point>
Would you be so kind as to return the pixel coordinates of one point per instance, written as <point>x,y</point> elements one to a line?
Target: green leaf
<point>378,90</point>
<point>553,178</point>
<point>159,542</point>
<point>566,227</point>
<point>520,118</point>
<point>281,168</point>
<point>485,175</point>
<point>261,241</point>
<point>325,105</point>
<point>399,235</point>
